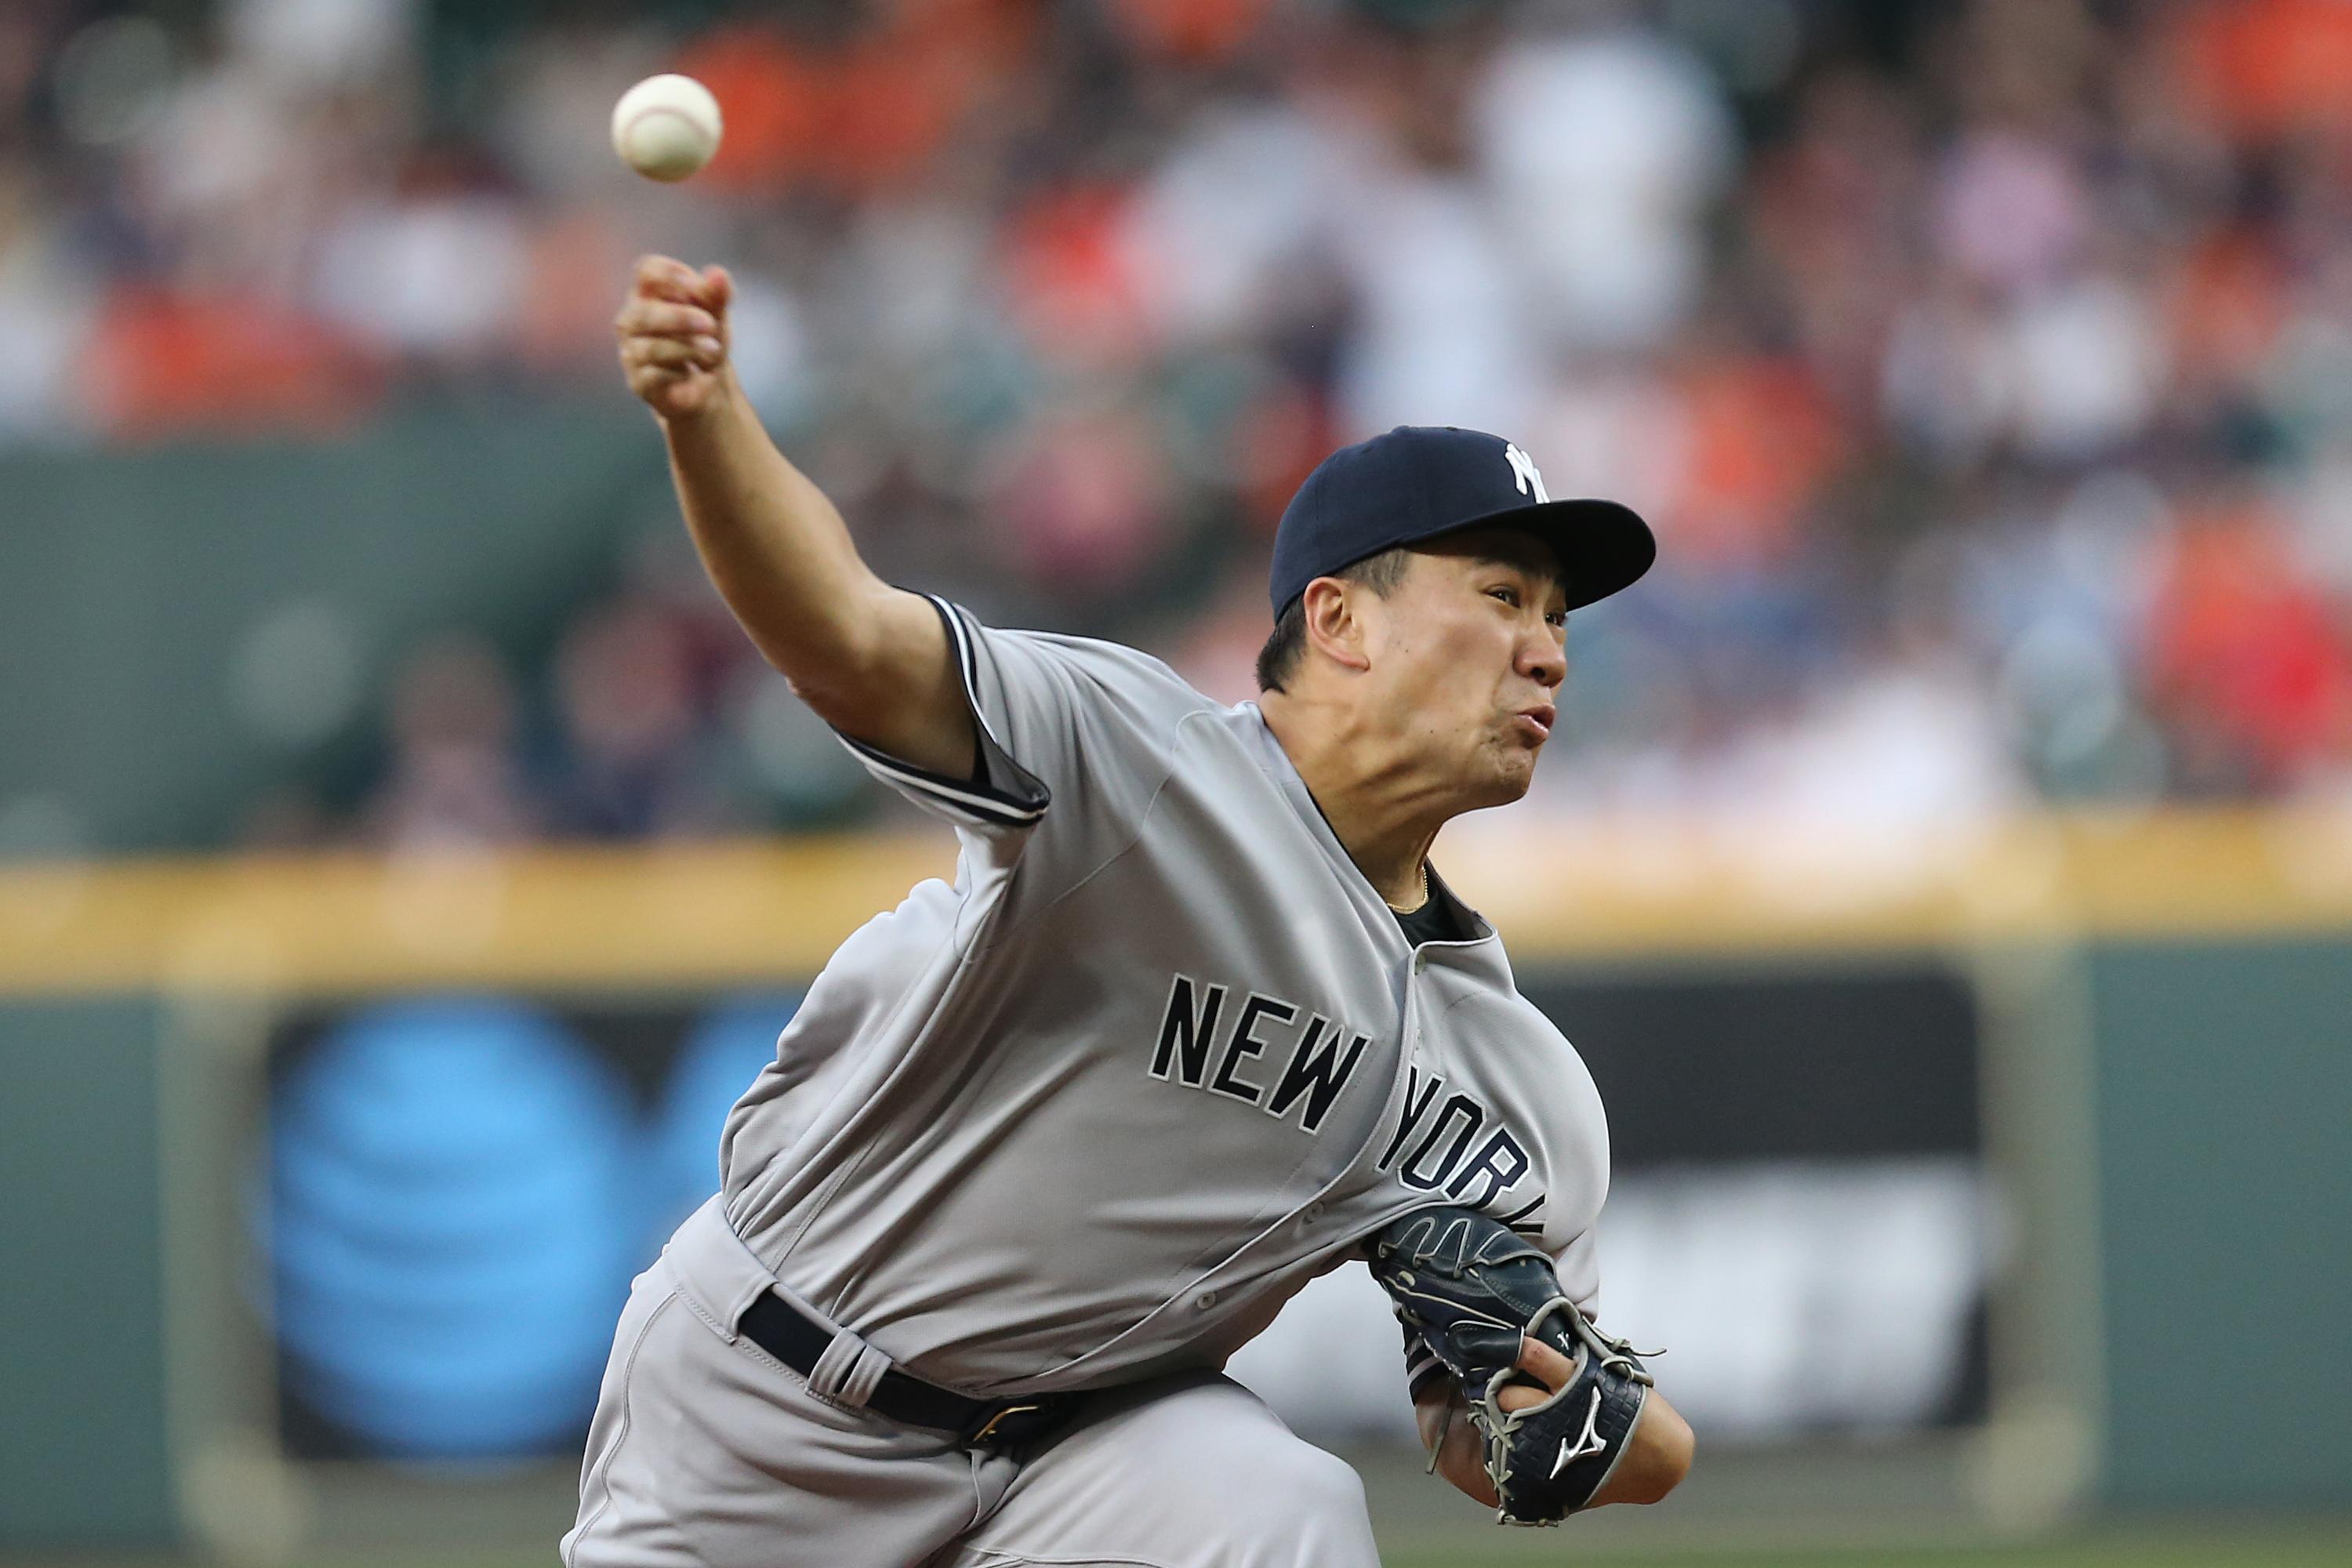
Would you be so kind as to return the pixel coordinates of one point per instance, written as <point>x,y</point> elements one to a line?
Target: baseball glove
<point>1471,1289</point>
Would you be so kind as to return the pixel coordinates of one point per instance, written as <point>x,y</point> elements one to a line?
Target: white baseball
<point>666,127</point>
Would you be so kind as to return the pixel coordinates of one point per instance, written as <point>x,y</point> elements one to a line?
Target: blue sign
<point>455,1208</point>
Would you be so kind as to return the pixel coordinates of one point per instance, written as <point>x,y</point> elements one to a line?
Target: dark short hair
<point>1278,660</point>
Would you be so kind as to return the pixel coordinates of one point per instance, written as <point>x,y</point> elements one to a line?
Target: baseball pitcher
<point>1195,1022</point>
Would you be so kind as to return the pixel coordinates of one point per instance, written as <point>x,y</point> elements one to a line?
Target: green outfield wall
<point>129,585</point>
<point>2225,1186</point>
<point>2212,1018</point>
<point>83,1454</point>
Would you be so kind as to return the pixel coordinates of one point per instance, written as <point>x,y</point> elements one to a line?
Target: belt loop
<point>848,1370</point>
<point>718,1272</point>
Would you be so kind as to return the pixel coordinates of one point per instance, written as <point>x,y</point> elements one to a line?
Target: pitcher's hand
<point>1459,1452</point>
<point>1655,1464</point>
<point>673,337</point>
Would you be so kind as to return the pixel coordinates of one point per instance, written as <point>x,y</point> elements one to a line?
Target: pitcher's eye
<point>1508,595</point>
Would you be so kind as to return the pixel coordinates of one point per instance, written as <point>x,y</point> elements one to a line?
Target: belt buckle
<point>988,1427</point>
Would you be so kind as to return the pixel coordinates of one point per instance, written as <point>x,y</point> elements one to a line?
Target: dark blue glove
<point>1471,1289</point>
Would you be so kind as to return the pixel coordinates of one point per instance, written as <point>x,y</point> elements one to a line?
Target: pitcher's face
<point>1466,653</point>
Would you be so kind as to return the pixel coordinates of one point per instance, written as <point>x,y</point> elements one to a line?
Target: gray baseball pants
<point>706,1452</point>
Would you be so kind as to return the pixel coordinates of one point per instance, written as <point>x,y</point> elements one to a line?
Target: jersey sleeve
<point>1073,732</point>
<point>1579,1267</point>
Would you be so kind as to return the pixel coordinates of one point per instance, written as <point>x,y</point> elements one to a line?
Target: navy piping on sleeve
<point>1021,798</point>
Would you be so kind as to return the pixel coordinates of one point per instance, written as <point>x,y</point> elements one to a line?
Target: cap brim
<point>1603,546</point>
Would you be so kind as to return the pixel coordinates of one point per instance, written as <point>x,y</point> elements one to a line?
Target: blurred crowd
<point>1984,367</point>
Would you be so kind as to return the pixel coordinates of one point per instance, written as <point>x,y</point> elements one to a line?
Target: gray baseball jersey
<point>1156,1057</point>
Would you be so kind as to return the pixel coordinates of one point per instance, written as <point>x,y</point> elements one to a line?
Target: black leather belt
<point>782,1329</point>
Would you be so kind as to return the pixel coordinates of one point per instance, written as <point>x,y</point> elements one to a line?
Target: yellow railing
<point>748,910</point>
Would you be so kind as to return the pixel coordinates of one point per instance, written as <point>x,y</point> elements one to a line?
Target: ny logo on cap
<point>1523,469</point>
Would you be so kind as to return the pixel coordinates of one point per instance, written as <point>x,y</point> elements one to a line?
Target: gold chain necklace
<point>1424,899</point>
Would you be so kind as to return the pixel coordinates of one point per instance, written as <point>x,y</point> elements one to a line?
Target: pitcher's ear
<point>1333,610</point>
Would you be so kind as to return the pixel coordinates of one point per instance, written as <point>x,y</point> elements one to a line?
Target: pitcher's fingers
<point>1539,1360</point>
<point>649,380</point>
<point>1521,1396</point>
<point>642,317</point>
<point>718,290</point>
<point>666,278</point>
<point>673,352</point>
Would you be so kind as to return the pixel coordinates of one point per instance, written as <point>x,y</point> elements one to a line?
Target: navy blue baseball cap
<point>1421,480</point>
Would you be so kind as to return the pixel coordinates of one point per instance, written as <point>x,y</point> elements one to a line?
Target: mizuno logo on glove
<point>1586,1445</point>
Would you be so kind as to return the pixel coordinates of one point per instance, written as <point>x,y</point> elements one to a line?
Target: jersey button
<point>1205,1301</point>
<point>1420,962</point>
<point>1313,1212</point>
